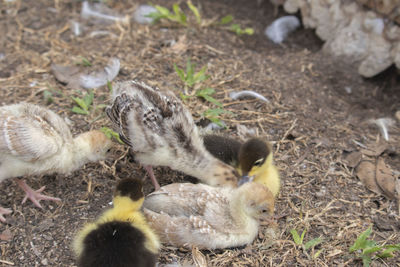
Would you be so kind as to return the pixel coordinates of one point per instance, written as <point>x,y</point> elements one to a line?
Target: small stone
<point>140,15</point>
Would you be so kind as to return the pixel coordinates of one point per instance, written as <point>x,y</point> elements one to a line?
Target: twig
<point>7,262</point>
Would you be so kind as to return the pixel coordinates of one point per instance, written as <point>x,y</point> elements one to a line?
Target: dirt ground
<point>312,119</point>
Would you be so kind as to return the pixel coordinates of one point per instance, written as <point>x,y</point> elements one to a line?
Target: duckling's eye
<point>264,211</point>
<point>108,150</point>
<point>258,162</point>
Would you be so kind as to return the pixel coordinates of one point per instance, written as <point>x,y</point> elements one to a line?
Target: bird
<point>161,132</point>
<point>253,159</point>
<point>187,215</point>
<point>120,237</point>
<point>35,140</point>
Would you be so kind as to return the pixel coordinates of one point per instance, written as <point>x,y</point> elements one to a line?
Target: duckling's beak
<point>245,179</point>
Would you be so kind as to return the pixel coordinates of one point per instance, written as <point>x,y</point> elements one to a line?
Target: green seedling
<point>206,94</point>
<point>84,62</point>
<point>234,27</point>
<point>190,78</point>
<point>214,114</point>
<point>239,31</point>
<point>225,20</point>
<point>109,86</point>
<point>48,97</point>
<point>176,15</point>
<point>299,241</point>
<point>83,104</point>
<point>195,11</point>
<point>163,13</point>
<point>49,93</point>
<point>368,250</point>
<point>111,134</point>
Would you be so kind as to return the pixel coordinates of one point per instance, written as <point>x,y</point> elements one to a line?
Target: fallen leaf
<point>6,235</point>
<point>199,258</point>
<point>366,171</point>
<point>67,75</point>
<point>352,159</point>
<point>83,77</point>
<point>375,149</point>
<point>386,180</point>
<point>180,46</point>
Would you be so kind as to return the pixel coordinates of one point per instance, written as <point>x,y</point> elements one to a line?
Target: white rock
<point>350,41</point>
<point>291,6</point>
<point>378,57</point>
<point>396,54</point>
<point>141,12</point>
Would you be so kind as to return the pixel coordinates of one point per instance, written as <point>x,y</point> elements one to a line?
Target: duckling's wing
<point>150,119</point>
<point>190,230</point>
<point>28,138</point>
<point>118,114</point>
<point>185,199</point>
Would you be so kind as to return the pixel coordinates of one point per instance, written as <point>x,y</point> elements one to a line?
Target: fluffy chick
<point>208,217</point>
<point>35,140</point>
<point>161,132</point>
<point>121,236</point>
<point>253,159</point>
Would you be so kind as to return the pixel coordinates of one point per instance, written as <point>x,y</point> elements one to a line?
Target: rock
<point>364,32</point>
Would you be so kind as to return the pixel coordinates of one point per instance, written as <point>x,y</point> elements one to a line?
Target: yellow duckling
<point>253,159</point>
<point>121,236</point>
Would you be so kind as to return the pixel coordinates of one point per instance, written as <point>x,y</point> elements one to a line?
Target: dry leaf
<point>80,77</point>
<point>6,235</point>
<point>386,180</point>
<point>199,258</point>
<point>375,149</point>
<point>180,46</point>
<point>67,75</point>
<point>352,159</point>
<point>366,171</point>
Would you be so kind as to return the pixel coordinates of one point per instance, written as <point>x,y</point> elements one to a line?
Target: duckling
<point>253,159</point>
<point>161,132</point>
<point>208,217</point>
<point>121,236</point>
<point>35,140</point>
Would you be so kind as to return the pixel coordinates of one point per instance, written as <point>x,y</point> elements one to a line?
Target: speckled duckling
<point>161,132</point>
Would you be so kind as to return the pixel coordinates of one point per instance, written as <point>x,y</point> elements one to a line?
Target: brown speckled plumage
<point>161,132</point>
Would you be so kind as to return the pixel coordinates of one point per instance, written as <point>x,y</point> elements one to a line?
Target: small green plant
<point>111,134</point>
<point>213,115</point>
<point>84,62</point>
<point>236,28</point>
<point>206,94</point>
<point>176,15</point>
<point>239,31</point>
<point>83,104</point>
<point>299,239</point>
<point>225,20</point>
<point>368,250</point>
<point>109,86</point>
<point>190,78</point>
<point>195,11</point>
<point>163,13</point>
<point>48,97</point>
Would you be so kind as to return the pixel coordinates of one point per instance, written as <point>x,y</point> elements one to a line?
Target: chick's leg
<point>34,195</point>
<point>150,172</point>
<point>4,211</point>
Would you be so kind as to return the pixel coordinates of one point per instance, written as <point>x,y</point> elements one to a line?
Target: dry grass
<point>310,120</point>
